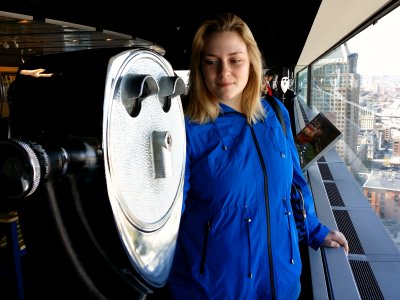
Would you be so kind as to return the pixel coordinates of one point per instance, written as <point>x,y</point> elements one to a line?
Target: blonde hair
<point>202,106</point>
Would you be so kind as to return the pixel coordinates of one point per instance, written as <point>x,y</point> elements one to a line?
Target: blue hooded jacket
<point>237,237</point>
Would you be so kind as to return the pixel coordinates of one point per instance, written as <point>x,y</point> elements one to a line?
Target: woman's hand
<point>336,239</point>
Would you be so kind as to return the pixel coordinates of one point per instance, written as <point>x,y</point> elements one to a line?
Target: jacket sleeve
<point>316,231</point>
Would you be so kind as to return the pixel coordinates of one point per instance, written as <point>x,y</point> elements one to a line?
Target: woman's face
<point>225,66</point>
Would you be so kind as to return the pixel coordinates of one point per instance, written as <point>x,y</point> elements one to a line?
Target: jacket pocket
<point>288,212</point>
<point>207,229</point>
<point>277,137</point>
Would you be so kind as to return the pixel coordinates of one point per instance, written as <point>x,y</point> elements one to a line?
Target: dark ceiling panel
<point>280,28</point>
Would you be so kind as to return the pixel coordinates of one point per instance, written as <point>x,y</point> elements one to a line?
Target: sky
<point>378,46</point>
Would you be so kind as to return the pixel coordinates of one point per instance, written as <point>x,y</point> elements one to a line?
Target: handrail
<point>333,263</point>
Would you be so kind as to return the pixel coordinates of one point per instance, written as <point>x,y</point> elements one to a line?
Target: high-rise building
<point>336,89</point>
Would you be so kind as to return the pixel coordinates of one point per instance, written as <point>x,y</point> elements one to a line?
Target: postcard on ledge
<point>315,139</point>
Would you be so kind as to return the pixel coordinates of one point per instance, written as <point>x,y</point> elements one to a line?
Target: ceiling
<point>280,29</point>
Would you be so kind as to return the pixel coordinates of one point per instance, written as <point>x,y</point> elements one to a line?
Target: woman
<point>237,239</point>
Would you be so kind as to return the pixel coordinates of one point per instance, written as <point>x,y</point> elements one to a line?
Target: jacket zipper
<point>207,229</point>
<point>264,169</point>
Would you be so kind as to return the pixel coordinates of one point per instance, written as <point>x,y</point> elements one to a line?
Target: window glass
<point>358,85</point>
<point>301,86</point>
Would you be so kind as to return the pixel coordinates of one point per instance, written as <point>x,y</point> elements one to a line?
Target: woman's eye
<point>210,62</point>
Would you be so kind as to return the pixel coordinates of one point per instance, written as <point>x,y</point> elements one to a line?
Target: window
<point>358,85</point>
